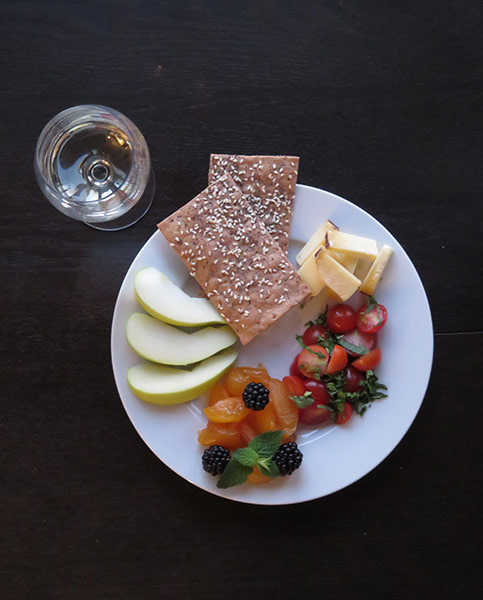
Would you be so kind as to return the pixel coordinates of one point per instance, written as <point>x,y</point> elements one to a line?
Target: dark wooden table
<point>383,102</point>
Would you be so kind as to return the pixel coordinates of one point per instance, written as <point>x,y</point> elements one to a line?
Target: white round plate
<point>334,456</point>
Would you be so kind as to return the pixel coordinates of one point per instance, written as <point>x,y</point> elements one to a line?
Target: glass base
<point>136,213</point>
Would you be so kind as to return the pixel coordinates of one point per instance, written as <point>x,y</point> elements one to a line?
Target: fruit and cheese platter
<point>249,349</point>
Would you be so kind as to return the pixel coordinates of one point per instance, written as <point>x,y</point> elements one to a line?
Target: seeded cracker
<point>237,263</point>
<point>268,185</point>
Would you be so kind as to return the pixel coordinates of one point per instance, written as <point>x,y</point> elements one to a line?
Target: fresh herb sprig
<point>303,401</point>
<point>371,390</point>
<point>258,453</point>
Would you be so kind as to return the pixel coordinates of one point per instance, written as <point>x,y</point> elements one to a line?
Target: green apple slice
<point>158,384</point>
<point>163,299</point>
<point>163,343</point>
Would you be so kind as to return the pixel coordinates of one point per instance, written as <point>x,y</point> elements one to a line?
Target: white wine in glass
<point>92,163</point>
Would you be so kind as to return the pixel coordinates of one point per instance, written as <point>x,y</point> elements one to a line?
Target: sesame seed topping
<point>237,255</point>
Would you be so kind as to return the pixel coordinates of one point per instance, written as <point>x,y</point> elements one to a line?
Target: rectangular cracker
<point>237,263</point>
<point>268,185</point>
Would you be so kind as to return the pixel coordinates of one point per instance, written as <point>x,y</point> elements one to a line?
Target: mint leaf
<point>246,457</point>
<point>268,467</point>
<point>234,474</point>
<point>266,444</point>
<point>258,452</point>
<point>302,401</point>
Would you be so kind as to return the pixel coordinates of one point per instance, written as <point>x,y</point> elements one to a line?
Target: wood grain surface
<point>383,103</point>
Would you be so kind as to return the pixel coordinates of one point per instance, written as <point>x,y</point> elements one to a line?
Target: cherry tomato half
<point>312,361</point>
<point>369,361</point>
<point>316,413</point>
<point>294,385</point>
<point>313,414</point>
<point>311,334</point>
<point>353,379</point>
<point>341,318</point>
<point>345,415</point>
<point>338,360</point>
<point>318,390</point>
<point>357,338</point>
<point>294,370</point>
<point>371,318</point>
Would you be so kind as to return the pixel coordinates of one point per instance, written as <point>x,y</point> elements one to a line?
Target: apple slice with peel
<point>159,384</point>
<point>163,343</point>
<point>163,299</point>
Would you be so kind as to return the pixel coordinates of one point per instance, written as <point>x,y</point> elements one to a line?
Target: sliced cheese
<point>352,245</point>
<point>369,284</point>
<point>347,261</point>
<point>362,268</point>
<point>336,277</point>
<point>315,242</point>
<point>309,274</point>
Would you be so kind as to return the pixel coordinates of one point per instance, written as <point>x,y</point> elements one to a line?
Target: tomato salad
<point>333,376</point>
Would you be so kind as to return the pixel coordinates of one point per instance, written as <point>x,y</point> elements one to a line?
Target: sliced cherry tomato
<point>294,370</point>
<point>345,415</point>
<point>318,390</point>
<point>294,385</point>
<point>370,318</point>
<point>313,333</point>
<point>360,342</point>
<point>353,379</point>
<point>316,413</point>
<point>338,360</point>
<point>312,361</point>
<point>369,361</point>
<point>341,318</point>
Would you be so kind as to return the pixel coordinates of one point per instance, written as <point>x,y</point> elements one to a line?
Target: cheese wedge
<point>315,242</point>
<point>347,261</point>
<point>309,274</point>
<point>336,277</point>
<point>352,245</point>
<point>362,268</point>
<point>369,284</point>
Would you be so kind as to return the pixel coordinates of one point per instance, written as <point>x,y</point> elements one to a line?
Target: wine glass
<point>92,163</point>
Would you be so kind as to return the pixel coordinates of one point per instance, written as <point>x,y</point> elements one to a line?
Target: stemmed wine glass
<point>92,163</point>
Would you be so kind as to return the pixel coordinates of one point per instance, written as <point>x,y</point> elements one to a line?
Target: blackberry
<point>215,459</point>
<point>288,458</point>
<point>255,396</point>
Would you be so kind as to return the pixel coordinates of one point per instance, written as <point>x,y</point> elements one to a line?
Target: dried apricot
<point>218,392</point>
<point>285,409</point>
<point>229,410</point>
<point>238,378</point>
<point>264,420</point>
<point>224,434</point>
<point>247,432</point>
